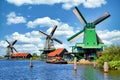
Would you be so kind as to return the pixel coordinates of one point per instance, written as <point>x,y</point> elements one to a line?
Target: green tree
<point>35,56</point>
<point>111,55</point>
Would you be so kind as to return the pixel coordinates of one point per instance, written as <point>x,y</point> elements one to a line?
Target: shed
<point>58,52</point>
<point>21,55</point>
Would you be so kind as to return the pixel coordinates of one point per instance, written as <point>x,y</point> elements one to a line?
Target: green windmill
<point>91,42</point>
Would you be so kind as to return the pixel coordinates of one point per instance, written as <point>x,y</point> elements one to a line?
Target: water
<point>20,70</point>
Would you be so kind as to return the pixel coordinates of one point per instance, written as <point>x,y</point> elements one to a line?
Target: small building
<point>21,55</point>
<point>60,52</point>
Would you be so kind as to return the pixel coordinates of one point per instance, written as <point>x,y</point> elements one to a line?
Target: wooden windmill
<point>91,43</point>
<point>49,45</point>
<point>10,49</point>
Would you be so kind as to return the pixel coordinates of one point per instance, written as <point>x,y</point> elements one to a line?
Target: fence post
<point>75,64</point>
<point>106,67</point>
<point>31,64</point>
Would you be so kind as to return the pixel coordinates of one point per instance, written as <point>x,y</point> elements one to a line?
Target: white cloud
<point>13,19</point>
<point>29,42</point>
<point>66,4</point>
<point>110,37</point>
<point>3,44</point>
<point>45,21</point>
<point>94,3</point>
<point>30,48</point>
<point>62,29</point>
<point>29,37</point>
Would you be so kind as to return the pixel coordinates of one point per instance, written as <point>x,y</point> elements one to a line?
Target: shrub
<point>114,65</point>
<point>111,55</point>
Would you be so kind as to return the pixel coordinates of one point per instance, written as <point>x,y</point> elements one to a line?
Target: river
<point>20,70</point>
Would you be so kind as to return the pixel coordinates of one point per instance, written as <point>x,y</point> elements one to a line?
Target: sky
<point>22,19</point>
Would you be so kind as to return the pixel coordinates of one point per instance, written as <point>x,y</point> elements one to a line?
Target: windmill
<point>91,42</point>
<point>10,49</point>
<point>49,45</point>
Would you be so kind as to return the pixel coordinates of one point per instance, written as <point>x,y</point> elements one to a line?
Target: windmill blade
<point>44,34</point>
<point>75,36</point>
<point>15,49</point>
<point>98,39</point>
<point>57,40</point>
<point>53,30</point>
<point>100,19</point>
<point>8,42</point>
<point>14,42</point>
<point>80,17</point>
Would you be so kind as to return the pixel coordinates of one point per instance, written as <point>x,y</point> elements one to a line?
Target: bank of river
<point>20,70</point>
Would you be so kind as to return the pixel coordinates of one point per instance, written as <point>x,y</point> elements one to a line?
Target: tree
<point>111,55</point>
<point>35,56</point>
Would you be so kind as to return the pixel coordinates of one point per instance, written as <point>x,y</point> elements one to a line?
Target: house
<point>60,52</point>
<point>21,55</point>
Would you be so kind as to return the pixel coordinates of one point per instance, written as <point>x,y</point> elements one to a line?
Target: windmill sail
<point>15,49</point>
<point>53,30</point>
<point>49,46</point>
<point>10,49</point>
<point>57,40</point>
<point>44,34</point>
<point>75,36</point>
<point>80,17</point>
<point>8,42</point>
<point>89,30</point>
<point>98,39</point>
<point>100,19</point>
<point>14,42</point>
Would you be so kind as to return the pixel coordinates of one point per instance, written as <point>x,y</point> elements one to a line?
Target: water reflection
<point>105,76</point>
<point>20,70</point>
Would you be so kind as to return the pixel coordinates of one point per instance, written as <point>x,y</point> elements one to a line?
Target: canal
<point>20,70</point>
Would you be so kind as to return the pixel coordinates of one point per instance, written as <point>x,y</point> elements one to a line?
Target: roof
<point>56,52</point>
<point>20,54</point>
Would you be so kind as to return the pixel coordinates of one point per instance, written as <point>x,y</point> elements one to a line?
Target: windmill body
<point>91,42</point>
<point>91,39</point>
<point>49,45</point>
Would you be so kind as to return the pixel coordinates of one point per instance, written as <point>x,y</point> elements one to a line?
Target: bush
<point>111,55</point>
<point>114,65</point>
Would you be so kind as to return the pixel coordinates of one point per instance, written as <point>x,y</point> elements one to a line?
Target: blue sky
<point>22,19</point>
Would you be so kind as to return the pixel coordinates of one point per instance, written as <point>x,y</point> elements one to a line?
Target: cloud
<point>13,19</point>
<point>3,44</point>
<point>30,42</point>
<point>63,28</point>
<point>66,4</point>
<point>29,37</point>
<point>94,3</point>
<point>110,37</point>
<point>45,21</point>
<point>31,48</point>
